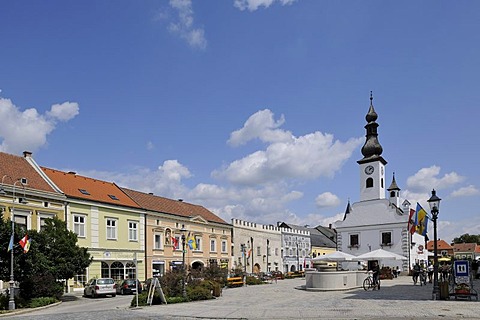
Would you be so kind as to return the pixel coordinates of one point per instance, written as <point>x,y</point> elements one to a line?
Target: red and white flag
<point>25,243</point>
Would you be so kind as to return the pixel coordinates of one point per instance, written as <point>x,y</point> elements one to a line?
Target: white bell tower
<point>372,166</point>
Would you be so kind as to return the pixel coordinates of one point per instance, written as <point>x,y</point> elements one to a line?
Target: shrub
<point>253,281</point>
<point>142,299</point>
<point>4,301</point>
<point>40,285</point>
<point>40,302</point>
<point>171,300</point>
<point>201,292</point>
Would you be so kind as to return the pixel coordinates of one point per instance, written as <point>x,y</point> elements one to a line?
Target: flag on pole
<point>411,222</point>
<point>10,245</point>
<point>175,243</point>
<point>25,243</point>
<point>191,241</point>
<point>421,220</point>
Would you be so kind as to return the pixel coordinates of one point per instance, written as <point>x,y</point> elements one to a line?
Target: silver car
<point>100,287</point>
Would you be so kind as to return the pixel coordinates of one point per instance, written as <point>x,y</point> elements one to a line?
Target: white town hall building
<point>376,221</point>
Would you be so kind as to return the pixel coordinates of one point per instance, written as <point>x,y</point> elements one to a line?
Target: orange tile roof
<point>71,184</point>
<point>464,247</point>
<point>159,204</point>
<point>18,167</point>
<point>441,245</point>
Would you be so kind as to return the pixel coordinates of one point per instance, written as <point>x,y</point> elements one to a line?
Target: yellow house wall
<point>106,250</point>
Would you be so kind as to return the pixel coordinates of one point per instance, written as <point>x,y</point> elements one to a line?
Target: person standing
<point>376,274</point>
<point>430,272</point>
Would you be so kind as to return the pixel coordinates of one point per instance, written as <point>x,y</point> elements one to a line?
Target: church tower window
<point>369,183</point>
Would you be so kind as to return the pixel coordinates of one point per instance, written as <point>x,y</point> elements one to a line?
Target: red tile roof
<point>98,190</point>
<point>464,247</point>
<point>18,167</point>
<point>159,204</point>
<point>441,245</point>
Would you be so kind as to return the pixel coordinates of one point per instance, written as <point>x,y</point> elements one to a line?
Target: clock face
<point>369,169</point>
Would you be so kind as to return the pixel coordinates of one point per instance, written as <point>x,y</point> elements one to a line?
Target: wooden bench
<point>235,281</point>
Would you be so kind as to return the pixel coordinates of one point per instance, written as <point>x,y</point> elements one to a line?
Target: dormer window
<point>83,191</point>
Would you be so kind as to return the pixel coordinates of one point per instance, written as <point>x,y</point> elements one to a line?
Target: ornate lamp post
<point>184,292</point>
<point>11,301</point>
<point>434,203</point>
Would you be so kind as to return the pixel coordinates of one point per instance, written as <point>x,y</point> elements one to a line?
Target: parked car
<point>100,287</point>
<point>128,286</point>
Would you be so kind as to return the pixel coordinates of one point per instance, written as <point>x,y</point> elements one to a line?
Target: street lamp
<point>11,301</point>
<point>184,292</point>
<point>268,242</point>
<point>434,203</point>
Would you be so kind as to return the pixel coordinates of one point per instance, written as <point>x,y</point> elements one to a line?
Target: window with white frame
<point>42,217</point>
<point>354,240</point>
<point>224,246</point>
<point>111,229</point>
<point>79,225</point>
<point>213,245</point>
<point>132,230</point>
<point>386,238</point>
<point>198,241</point>
<point>21,221</point>
<point>157,241</point>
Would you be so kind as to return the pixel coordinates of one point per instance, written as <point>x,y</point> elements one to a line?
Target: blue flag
<point>10,245</point>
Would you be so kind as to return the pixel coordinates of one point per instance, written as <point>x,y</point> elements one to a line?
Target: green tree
<point>467,238</point>
<point>53,255</point>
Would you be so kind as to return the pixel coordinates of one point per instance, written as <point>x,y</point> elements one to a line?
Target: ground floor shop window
<point>158,268</point>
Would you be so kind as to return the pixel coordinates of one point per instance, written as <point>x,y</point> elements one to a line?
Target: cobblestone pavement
<point>397,299</point>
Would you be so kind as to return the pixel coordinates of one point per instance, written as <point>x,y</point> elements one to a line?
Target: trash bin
<point>443,285</point>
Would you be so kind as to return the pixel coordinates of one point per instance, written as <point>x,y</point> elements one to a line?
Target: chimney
<point>329,226</point>
<point>27,154</point>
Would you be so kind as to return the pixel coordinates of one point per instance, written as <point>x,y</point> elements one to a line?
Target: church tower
<point>394,192</point>
<point>372,166</point>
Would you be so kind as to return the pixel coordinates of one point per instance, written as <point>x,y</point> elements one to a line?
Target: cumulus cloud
<point>260,125</point>
<point>327,199</point>
<point>427,178</point>
<point>468,191</point>
<point>64,111</point>
<point>28,130</point>
<point>252,5</point>
<point>183,24</point>
<point>286,157</point>
<point>165,181</point>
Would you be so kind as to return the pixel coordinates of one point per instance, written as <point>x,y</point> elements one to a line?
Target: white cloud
<point>260,125</point>
<point>286,157</point>
<point>166,181</point>
<point>183,24</point>
<point>252,5</point>
<point>327,199</point>
<point>468,191</point>
<point>28,130</point>
<point>427,179</point>
<point>64,111</point>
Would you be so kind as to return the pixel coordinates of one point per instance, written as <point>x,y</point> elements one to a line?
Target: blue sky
<point>253,108</point>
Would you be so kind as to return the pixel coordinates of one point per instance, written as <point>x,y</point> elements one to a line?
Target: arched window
<point>369,183</point>
<point>105,270</point>
<point>392,194</point>
<point>117,271</point>
<point>130,268</point>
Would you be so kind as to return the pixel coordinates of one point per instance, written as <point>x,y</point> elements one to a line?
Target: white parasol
<point>335,256</point>
<point>380,254</point>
